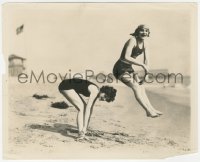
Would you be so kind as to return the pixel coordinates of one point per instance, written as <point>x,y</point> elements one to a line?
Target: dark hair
<point>110,93</point>
<point>137,30</point>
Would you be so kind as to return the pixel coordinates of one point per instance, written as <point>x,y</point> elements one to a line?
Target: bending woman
<point>123,67</point>
<point>71,90</point>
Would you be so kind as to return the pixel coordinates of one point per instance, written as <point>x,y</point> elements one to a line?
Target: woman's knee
<point>79,106</point>
<point>135,87</point>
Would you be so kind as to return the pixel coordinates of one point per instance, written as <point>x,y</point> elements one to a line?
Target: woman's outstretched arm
<point>88,110</point>
<point>128,51</point>
<point>146,55</point>
<point>129,46</point>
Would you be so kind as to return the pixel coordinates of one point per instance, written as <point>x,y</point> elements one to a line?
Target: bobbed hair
<point>140,27</point>
<point>110,93</point>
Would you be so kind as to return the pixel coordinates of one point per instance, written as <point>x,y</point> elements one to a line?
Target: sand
<point>35,130</point>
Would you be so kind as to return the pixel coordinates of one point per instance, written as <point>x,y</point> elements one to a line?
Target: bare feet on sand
<point>158,112</point>
<point>81,136</point>
<point>82,139</point>
<point>154,114</point>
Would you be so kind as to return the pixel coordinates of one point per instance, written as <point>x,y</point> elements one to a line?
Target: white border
<point>185,158</point>
<point>106,1</point>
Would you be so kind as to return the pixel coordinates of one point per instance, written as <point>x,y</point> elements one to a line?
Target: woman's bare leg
<point>147,100</point>
<point>84,108</point>
<point>139,96</point>
<point>143,92</point>
<point>75,100</point>
<point>87,116</point>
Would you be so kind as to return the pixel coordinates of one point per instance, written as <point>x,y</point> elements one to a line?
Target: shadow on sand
<point>64,129</point>
<point>72,132</point>
<point>95,135</point>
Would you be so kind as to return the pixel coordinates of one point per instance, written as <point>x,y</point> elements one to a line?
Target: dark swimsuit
<point>79,85</point>
<point>122,66</point>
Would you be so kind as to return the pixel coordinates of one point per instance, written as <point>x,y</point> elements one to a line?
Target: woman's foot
<point>81,136</point>
<point>152,115</point>
<point>154,112</point>
<point>158,112</point>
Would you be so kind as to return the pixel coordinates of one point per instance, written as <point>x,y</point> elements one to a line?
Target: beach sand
<point>35,130</point>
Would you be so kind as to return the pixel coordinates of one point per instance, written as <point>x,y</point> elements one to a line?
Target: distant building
<point>16,65</point>
<point>159,73</point>
<point>154,73</point>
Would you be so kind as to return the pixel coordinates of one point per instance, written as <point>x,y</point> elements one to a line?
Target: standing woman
<point>134,47</point>
<point>72,89</point>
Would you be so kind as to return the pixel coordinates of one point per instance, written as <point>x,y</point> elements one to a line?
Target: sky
<point>60,37</point>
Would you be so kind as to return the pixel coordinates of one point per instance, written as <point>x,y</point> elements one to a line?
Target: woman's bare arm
<point>94,91</point>
<point>129,46</point>
<point>146,55</point>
